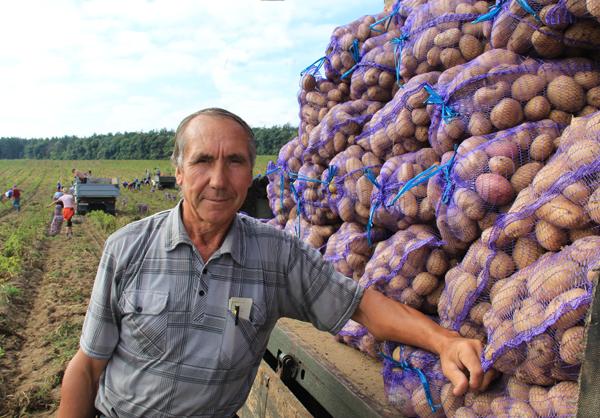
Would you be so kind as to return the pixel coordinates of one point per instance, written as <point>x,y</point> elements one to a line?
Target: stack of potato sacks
<point>448,155</point>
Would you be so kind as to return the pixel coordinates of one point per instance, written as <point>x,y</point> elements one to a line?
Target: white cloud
<point>78,67</point>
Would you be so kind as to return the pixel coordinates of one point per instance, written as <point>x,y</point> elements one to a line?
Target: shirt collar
<point>232,244</point>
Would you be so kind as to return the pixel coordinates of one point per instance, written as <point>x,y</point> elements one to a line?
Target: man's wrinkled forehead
<point>211,130</point>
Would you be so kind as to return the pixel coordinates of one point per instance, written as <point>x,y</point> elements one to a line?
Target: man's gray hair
<point>177,157</point>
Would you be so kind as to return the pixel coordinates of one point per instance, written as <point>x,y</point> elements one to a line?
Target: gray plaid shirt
<point>160,314</point>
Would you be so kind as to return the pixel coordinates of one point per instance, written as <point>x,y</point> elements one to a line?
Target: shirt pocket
<point>144,322</point>
<point>242,341</point>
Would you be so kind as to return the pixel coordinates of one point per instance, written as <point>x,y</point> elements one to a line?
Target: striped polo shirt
<point>161,314</point>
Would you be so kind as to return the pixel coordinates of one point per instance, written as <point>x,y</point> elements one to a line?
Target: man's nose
<point>218,177</point>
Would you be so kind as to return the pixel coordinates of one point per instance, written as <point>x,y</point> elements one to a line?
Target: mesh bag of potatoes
<point>309,195</point>
<point>402,125</point>
<point>535,323</point>
<point>440,35</point>
<point>544,28</point>
<point>348,248</point>
<point>337,130</point>
<point>314,235</point>
<point>500,90</point>
<point>374,77</point>
<point>347,188</point>
<point>413,380</point>
<point>278,189</point>
<point>583,8</point>
<point>409,267</point>
<point>509,397</point>
<point>357,336</point>
<point>346,42</point>
<point>487,173</point>
<point>399,194</point>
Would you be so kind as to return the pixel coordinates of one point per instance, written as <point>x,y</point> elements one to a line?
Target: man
<point>16,197</point>
<point>184,301</point>
<point>68,202</point>
<point>79,176</point>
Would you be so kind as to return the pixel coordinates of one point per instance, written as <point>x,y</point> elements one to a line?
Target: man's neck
<point>206,237</point>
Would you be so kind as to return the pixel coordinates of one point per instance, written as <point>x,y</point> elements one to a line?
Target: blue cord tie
<point>422,177</point>
<point>448,184</point>
<point>403,364</point>
<point>299,207</point>
<point>374,206</point>
<point>399,44</point>
<point>356,55</point>
<point>528,8</point>
<point>434,98</point>
<point>315,66</point>
<point>383,19</point>
<point>333,169</point>
<point>371,177</point>
<point>492,13</point>
<point>272,169</point>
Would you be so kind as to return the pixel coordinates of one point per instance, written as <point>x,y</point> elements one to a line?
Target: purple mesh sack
<point>399,198</point>
<point>348,189</point>
<point>545,28</point>
<point>374,77</point>
<point>338,130</point>
<point>500,90</point>
<point>402,125</point>
<point>278,189</point>
<point>314,235</point>
<point>409,267</point>
<point>347,41</point>
<point>440,35</point>
<point>535,324</point>
<point>583,8</point>
<point>487,173</point>
<point>309,195</point>
<point>348,249</point>
<point>357,336</point>
<point>413,380</point>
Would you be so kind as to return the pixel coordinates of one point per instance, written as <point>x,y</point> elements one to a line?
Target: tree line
<point>152,145</point>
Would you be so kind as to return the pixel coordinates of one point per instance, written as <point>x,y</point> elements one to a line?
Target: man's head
<point>214,155</point>
<point>181,140</point>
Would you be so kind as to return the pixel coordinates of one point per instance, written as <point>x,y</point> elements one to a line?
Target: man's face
<point>216,170</point>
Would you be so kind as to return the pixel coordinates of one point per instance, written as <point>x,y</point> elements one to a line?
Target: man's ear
<point>178,175</point>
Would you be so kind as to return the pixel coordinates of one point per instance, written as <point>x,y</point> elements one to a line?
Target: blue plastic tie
<point>298,206</point>
<point>403,364</point>
<point>315,66</point>
<point>374,207</point>
<point>355,51</point>
<point>448,184</point>
<point>371,177</point>
<point>399,44</point>
<point>492,12</point>
<point>383,19</point>
<point>434,98</point>
<point>528,8</point>
<point>333,169</point>
<point>422,177</point>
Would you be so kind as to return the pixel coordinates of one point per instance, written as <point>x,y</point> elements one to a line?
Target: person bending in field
<point>57,219</point>
<point>185,300</point>
<point>68,202</point>
<point>16,197</point>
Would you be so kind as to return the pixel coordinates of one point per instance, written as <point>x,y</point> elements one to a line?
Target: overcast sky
<point>72,67</point>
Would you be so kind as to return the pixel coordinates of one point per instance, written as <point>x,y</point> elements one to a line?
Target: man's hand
<point>461,364</point>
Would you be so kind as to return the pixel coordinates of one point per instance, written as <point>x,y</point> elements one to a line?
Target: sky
<point>79,67</point>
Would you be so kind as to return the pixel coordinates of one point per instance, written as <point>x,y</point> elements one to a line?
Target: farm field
<point>45,281</point>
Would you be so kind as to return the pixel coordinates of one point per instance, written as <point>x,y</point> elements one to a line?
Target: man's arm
<point>390,320</point>
<point>79,386</point>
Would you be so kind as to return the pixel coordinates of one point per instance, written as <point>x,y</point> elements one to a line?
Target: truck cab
<point>163,182</point>
<point>96,194</point>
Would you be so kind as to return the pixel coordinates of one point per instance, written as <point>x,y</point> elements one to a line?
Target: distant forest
<point>153,145</point>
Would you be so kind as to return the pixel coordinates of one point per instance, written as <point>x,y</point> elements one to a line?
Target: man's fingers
<point>457,378</point>
<point>488,378</point>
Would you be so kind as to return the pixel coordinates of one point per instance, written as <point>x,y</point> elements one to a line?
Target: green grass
<point>261,163</point>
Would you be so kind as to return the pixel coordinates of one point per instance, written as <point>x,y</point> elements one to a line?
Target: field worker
<point>16,197</point>
<point>184,300</point>
<point>58,186</point>
<point>68,211</point>
<point>78,175</point>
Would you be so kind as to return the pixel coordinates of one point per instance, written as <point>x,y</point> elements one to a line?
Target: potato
<point>470,203</point>
<point>527,87</point>
<point>593,206</point>
<point>542,147</point>
<point>450,403</point>
<point>562,213</point>
<point>526,251</point>
<point>525,175</point>
<point>506,114</point>
<point>565,94</point>
<point>572,345</point>
<point>549,236</point>
<point>488,96</point>
<point>583,152</point>
<point>537,108</point>
<point>494,189</point>
<point>549,281</point>
<point>538,399</point>
<point>424,283</point>
<point>571,316</point>
<point>563,397</point>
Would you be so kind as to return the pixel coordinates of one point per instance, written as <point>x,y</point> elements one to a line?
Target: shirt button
<point>201,293</point>
<point>138,309</point>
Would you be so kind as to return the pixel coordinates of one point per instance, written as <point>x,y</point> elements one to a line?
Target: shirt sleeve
<point>100,334</point>
<point>315,292</point>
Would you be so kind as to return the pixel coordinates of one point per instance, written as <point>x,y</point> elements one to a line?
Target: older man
<point>184,300</point>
